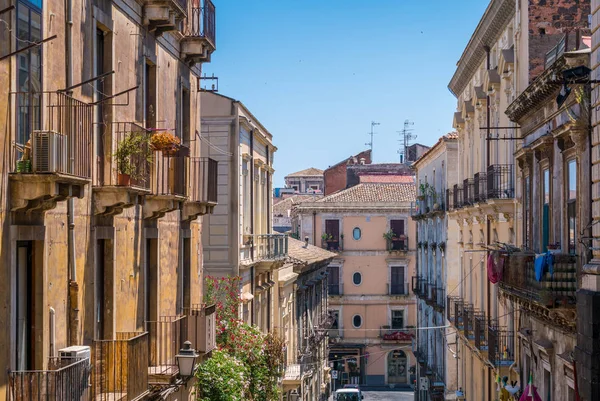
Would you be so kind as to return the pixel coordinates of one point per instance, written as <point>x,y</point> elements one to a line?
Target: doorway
<point>25,285</point>
<point>397,371</point>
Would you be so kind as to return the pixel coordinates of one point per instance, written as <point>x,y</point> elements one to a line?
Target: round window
<point>356,233</point>
<point>357,321</point>
<point>357,278</point>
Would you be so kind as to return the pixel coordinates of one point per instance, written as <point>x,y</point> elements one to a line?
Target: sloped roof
<point>307,254</point>
<point>311,171</point>
<point>451,136</point>
<point>281,208</point>
<point>387,179</point>
<point>374,192</point>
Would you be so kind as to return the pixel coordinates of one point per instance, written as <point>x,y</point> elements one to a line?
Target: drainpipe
<point>252,270</point>
<point>73,323</point>
<point>487,222</point>
<point>314,228</point>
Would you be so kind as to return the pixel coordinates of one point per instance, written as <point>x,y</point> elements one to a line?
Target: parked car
<point>349,394</point>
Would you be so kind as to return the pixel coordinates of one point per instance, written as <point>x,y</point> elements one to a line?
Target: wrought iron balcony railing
<point>53,134</point>
<point>398,289</point>
<point>65,379</point>
<point>457,193</point>
<point>268,246</point>
<point>201,21</point>
<point>419,285</point>
<point>500,181</point>
<point>440,301</point>
<point>168,173</point>
<point>468,314</point>
<point>554,290</point>
<point>203,180</point>
<point>334,289</point>
<point>480,187</point>
<point>166,339</point>
<point>501,346</point>
<point>398,244</point>
<point>387,333</point>
<point>120,369</point>
<point>468,192</point>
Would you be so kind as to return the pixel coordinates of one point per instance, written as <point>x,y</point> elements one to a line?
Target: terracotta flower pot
<point>123,180</point>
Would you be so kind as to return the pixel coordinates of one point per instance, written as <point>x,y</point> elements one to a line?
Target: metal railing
<point>200,328</point>
<point>388,333</point>
<point>500,181</point>
<point>166,339</point>
<point>168,173</point>
<point>65,379</point>
<point>558,289</point>
<point>419,286</point>
<point>334,244</point>
<point>131,156</point>
<point>570,41</point>
<point>269,246</point>
<point>440,297</point>
<point>201,21</point>
<point>501,346</point>
<point>430,292</point>
<point>468,313</point>
<point>479,331</point>
<point>334,289</point>
<point>457,194</point>
<point>53,134</point>
<point>480,187</point>
<point>398,244</point>
<point>398,289</point>
<point>468,192</point>
<point>202,180</point>
<point>120,369</point>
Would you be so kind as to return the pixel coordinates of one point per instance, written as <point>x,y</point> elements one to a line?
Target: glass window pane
<point>546,186</point>
<point>356,233</point>
<point>572,180</point>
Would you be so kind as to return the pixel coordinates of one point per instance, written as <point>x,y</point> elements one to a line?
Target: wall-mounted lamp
<point>186,361</point>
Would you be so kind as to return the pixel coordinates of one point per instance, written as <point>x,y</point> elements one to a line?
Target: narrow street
<point>387,396</point>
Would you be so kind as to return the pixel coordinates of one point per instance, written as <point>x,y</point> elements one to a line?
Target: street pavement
<point>388,396</point>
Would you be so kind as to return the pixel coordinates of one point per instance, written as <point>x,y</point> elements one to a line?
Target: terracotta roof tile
<point>281,208</point>
<point>307,172</point>
<point>374,192</point>
<point>387,179</point>
<point>307,254</point>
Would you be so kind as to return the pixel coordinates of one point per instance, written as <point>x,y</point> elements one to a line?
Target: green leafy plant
<point>389,235</point>
<point>223,377</point>
<point>131,152</point>
<point>326,237</point>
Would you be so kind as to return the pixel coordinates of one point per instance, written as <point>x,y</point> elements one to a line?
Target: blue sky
<point>316,72</point>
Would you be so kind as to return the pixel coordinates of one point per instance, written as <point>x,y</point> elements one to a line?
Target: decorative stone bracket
<point>156,207</point>
<point>109,201</point>
<point>41,192</point>
<point>191,210</point>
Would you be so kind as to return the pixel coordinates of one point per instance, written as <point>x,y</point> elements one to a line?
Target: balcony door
<point>397,280</point>
<point>333,280</point>
<point>332,227</point>
<point>397,226</point>
<point>25,306</point>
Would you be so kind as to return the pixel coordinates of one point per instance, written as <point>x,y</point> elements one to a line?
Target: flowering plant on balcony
<point>165,141</point>
<point>131,152</point>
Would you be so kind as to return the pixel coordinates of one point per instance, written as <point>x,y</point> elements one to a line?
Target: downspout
<point>487,221</point>
<point>252,272</point>
<point>314,228</point>
<point>73,301</point>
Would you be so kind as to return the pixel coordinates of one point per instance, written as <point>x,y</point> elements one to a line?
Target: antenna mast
<point>373,124</point>
<point>406,136</point>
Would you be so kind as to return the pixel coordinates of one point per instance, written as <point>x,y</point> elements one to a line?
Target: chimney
<point>306,242</point>
<point>362,160</point>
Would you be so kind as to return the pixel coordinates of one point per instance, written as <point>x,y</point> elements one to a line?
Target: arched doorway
<point>397,367</point>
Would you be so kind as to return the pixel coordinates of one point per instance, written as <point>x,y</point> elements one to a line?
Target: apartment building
<point>105,188</point>
<point>303,320</point>
<point>553,160</point>
<point>369,227</point>
<point>505,54</point>
<point>436,172</point>
<point>238,237</point>
<point>307,181</point>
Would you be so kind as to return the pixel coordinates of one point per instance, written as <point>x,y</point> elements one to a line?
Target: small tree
<point>221,378</point>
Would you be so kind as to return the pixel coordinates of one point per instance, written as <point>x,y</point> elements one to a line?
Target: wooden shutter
<point>397,226</point>
<point>332,227</point>
<point>397,275</point>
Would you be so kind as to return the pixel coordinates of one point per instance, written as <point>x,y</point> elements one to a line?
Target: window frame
<point>354,275</point>
<point>402,313</point>
<point>571,204</point>
<point>361,321</point>
<point>359,234</point>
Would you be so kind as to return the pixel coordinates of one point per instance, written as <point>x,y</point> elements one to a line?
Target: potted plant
<point>546,298</point>
<point>423,191</point>
<point>131,152</point>
<point>165,142</point>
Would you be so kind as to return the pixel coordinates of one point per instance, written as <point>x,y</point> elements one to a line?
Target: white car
<point>348,394</point>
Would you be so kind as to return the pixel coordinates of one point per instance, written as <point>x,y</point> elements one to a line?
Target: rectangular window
<point>333,280</point>
<point>397,286</point>
<point>150,95</point>
<point>547,386</point>
<point>397,226</point>
<point>526,213</point>
<point>185,116</point>
<point>246,196</point>
<point>572,205</point>
<point>397,319</point>
<point>545,209</point>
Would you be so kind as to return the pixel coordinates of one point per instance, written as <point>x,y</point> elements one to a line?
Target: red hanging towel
<point>495,265</point>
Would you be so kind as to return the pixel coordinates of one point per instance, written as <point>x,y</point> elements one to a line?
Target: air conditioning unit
<point>75,352</point>
<point>49,152</point>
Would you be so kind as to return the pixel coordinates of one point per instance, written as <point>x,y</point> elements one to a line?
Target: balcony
<point>168,183</point>
<point>501,346</point>
<point>166,339</point>
<point>164,15</point>
<point>126,175</point>
<point>468,314</point>
<point>398,289</point>
<point>51,148</point>
<point>332,244</point>
<point>397,244</point>
<point>418,286</point>
<point>454,310</point>
<point>199,32</point>
<point>202,187</point>
<point>334,289</point>
<point>468,192</point>
<point>457,195</point>
<point>479,331</point>
<point>430,293</point>
<point>480,187</point>
<point>386,333</point>
<point>200,328</point>
<point>500,182</point>
<point>335,333</point>
<point>450,199</point>
<point>553,291</point>
<point>65,379</point>
<point>440,301</point>
<point>120,370</point>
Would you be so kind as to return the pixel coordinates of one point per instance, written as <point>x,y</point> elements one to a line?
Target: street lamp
<point>294,396</point>
<point>186,361</point>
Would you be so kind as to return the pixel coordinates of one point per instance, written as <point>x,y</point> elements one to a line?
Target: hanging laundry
<point>495,267</point>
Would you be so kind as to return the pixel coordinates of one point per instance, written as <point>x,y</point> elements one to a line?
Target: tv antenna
<point>406,136</point>
<point>370,143</point>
